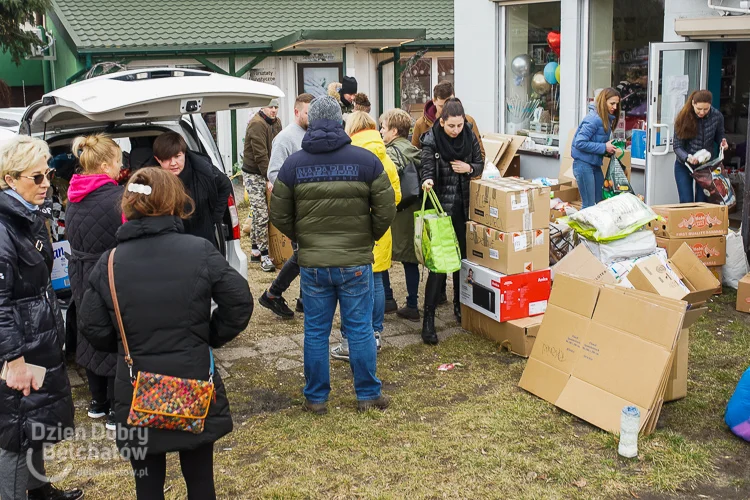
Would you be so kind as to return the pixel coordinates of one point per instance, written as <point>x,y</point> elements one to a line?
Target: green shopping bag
<point>435,240</point>
<point>616,182</point>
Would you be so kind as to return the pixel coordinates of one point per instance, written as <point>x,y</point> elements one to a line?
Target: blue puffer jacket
<point>589,143</point>
<point>710,131</point>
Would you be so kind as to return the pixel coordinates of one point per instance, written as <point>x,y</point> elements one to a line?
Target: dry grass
<point>467,433</point>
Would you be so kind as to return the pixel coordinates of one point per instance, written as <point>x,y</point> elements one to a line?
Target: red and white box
<point>504,297</point>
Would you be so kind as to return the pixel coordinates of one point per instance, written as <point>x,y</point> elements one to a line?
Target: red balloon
<point>553,39</point>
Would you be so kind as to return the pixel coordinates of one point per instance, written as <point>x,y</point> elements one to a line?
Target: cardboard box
<point>711,251</point>
<point>501,150</point>
<point>279,246</point>
<point>716,271</point>
<point>581,263</point>
<point>650,275</point>
<point>516,336</point>
<point>743,294</point>
<point>677,383</point>
<point>601,348</point>
<point>60,278</point>
<point>507,253</point>
<point>690,220</point>
<point>509,205</point>
<point>501,297</point>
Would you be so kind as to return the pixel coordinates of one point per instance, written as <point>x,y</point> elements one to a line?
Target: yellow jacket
<point>371,141</point>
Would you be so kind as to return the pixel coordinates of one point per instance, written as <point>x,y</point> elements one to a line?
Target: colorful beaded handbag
<point>162,401</point>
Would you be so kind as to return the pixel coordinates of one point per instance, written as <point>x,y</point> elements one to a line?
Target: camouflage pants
<point>256,189</point>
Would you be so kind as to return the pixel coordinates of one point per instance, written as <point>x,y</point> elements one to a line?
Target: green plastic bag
<point>435,240</point>
<point>616,182</point>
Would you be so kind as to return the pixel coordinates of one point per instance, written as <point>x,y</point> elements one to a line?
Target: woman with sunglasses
<point>33,411</point>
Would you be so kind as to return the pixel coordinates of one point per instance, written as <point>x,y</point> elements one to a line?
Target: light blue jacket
<point>589,143</point>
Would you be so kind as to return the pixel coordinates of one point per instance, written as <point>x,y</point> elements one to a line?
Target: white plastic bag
<point>736,266</point>
<point>490,171</point>
<point>634,245</point>
<point>612,219</point>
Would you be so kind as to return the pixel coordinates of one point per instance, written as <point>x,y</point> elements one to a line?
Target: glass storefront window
<point>532,87</point>
<point>416,84</point>
<point>619,35</point>
<point>445,70</point>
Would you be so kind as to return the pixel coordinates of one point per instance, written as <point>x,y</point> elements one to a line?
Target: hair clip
<point>139,188</point>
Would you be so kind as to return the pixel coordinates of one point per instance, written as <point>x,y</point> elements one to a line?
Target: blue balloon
<point>549,73</point>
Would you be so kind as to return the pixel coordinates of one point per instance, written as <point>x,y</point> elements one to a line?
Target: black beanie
<point>349,85</point>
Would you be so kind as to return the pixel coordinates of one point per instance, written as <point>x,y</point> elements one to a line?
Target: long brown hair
<point>601,105</point>
<point>167,196</point>
<point>686,123</point>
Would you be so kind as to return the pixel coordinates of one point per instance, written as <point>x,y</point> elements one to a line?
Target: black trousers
<point>197,469</point>
<point>436,282</point>
<point>102,388</point>
<point>289,272</point>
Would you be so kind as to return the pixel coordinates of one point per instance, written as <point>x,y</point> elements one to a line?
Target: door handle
<point>656,127</point>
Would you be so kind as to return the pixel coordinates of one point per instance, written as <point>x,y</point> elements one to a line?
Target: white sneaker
<point>340,352</point>
<point>266,264</point>
<point>377,342</point>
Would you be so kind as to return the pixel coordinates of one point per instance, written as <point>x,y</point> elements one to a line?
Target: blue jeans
<point>590,180</point>
<point>352,288</point>
<point>411,273</point>
<point>685,183</point>
<point>378,303</point>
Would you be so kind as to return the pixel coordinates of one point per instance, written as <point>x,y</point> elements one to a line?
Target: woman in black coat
<point>165,281</point>
<point>451,157</point>
<point>92,219</point>
<point>31,329</point>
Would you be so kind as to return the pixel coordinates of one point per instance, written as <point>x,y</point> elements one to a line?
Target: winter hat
<point>324,108</point>
<point>274,103</point>
<point>349,85</point>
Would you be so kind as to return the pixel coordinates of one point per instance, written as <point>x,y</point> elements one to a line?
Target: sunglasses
<point>39,178</point>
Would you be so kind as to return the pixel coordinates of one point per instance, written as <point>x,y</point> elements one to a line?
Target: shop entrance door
<point>675,69</point>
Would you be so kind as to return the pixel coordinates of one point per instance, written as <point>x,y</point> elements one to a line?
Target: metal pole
<point>233,118</point>
<point>397,77</point>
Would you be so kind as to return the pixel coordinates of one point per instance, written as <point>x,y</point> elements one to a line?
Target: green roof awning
<point>362,37</point>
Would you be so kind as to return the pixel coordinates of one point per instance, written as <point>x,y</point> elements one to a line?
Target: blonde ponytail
<point>93,150</point>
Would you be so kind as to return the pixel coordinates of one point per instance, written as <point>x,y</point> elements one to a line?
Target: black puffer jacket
<point>165,281</point>
<point>209,188</point>
<point>710,131</point>
<point>30,326</point>
<point>92,219</point>
<point>451,188</point>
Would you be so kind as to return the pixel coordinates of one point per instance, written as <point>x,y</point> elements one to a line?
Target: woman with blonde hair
<point>92,221</point>
<point>590,144</point>
<point>363,131</point>
<point>36,406</point>
<point>164,282</point>
<point>698,126</point>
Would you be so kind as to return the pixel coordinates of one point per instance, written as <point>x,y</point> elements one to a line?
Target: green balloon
<point>557,74</point>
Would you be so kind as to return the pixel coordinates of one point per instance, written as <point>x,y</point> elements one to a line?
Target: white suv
<point>135,106</point>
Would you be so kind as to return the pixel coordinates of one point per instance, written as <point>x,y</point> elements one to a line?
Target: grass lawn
<point>466,433</point>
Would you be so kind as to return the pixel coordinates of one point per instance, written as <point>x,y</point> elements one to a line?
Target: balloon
<point>557,73</point>
<point>549,73</point>
<point>521,65</point>
<point>553,40</point>
<point>539,84</point>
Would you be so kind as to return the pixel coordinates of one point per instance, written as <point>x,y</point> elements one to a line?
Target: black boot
<point>457,312</point>
<point>429,336</point>
<point>49,492</point>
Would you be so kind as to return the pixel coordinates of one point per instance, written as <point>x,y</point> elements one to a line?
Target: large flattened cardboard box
<point>501,150</point>
<point>509,205</point>
<point>517,336</point>
<point>507,253</point>
<point>690,220</point>
<point>650,275</point>
<point>501,297</point>
<point>279,246</point>
<point>581,263</point>
<point>710,250</point>
<point>601,348</point>
<point>743,294</point>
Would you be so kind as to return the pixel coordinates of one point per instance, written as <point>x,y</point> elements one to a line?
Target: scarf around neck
<point>29,206</point>
<point>459,148</point>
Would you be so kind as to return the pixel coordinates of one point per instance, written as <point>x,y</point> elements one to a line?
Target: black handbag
<point>411,185</point>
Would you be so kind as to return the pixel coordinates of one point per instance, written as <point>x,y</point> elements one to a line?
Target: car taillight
<point>236,234</point>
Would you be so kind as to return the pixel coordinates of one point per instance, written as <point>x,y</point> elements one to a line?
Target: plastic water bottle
<point>630,423</point>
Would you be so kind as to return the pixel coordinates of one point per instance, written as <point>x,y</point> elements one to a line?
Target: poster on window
<point>315,78</point>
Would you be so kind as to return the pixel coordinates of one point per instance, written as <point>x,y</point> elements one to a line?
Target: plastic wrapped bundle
<point>611,219</point>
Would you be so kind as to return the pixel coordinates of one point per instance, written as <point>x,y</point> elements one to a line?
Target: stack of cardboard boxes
<point>702,226</point>
<point>505,280</point>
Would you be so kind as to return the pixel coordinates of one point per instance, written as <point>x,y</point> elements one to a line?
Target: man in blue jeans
<point>335,201</point>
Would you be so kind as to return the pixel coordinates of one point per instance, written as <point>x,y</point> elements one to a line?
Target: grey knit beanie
<point>324,108</point>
